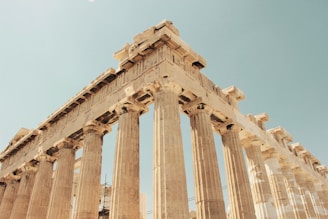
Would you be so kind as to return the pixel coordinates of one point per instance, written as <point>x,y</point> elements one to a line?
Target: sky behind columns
<point>276,52</point>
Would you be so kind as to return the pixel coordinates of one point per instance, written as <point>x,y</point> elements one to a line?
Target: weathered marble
<point>170,188</point>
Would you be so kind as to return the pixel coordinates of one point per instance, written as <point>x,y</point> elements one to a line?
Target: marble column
<point>2,190</point>
<point>309,209</point>
<point>293,193</point>
<point>208,188</point>
<point>262,195</point>
<point>39,200</point>
<point>170,188</point>
<point>87,202</point>
<point>323,194</point>
<point>126,182</point>
<point>315,199</point>
<point>24,192</point>
<point>240,197</point>
<point>8,199</point>
<point>61,193</point>
<point>277,185</point>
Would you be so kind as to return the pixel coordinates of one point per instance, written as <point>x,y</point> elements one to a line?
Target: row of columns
<point>272,190</point>
<point>38,194</point>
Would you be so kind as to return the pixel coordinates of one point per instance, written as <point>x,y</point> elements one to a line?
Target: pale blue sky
<point>274,51</point>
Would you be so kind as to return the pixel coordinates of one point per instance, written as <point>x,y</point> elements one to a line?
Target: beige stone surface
<point>318,207</point>
<point>60,197</point>
<point>39,200</point>
<point>208,188</point>
<point>293,192</point>
<point>170,188</point>
<point>308,205</point>
<point>8,199</point>
<point>2,189</point>
<point>24,192</point>
<point>278,188</point>
<point>87,202</point>
<point>126,180</point>
<point>261,192</point>
<point>159,67</point>
<point>240,197</point>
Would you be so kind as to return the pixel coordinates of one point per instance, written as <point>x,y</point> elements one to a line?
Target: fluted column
<point>126,182</point>
<point>240,197</point>
<point>170,189</point>
<point>24,192</point>
<point>323,194</point>
<point>8,199</point>
<point>315,199</point>
<point>293,193</point>
<point>262,195</point>
<point>2,190</point>
<point>208,188</point>
<point>61,193</point>
<point>39,200</point>
<point>309,209</point>
<point>87,202</point>
<point>278,188</point>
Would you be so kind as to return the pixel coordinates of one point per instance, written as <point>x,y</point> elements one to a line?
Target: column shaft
<point>208,188</point>
<point>309,209</point>
<point>2,190</point>
<point>315,199</point>
<point>87,203</point>
<point>125,190</point>
<point>170,190</point>
<point>323,194</point>
<point>39,200</point>
<point>61,193</point>
<point>278,188</point>
<point>293,193</point>
<point>23,194</point>
<point>262,195</point>
<point>8,199</point>
<point>240,197</point>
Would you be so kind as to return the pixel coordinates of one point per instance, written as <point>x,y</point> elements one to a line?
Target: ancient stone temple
<point>275,179</point>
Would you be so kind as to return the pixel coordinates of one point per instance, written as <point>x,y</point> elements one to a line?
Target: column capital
<point>67,143</point>
<point>195,106</point>
<point>12,177</point>
<point>45,157</point>
<point>131,105</point>
<point>28,167</point>
<point>228,126</point>
<point>96,127</point>
<point>171,86</point>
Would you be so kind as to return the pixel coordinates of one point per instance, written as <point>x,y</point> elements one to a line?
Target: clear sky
<point>274,51</point>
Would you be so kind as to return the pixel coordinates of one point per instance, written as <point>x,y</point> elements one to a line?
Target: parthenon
<point>268,174</point>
